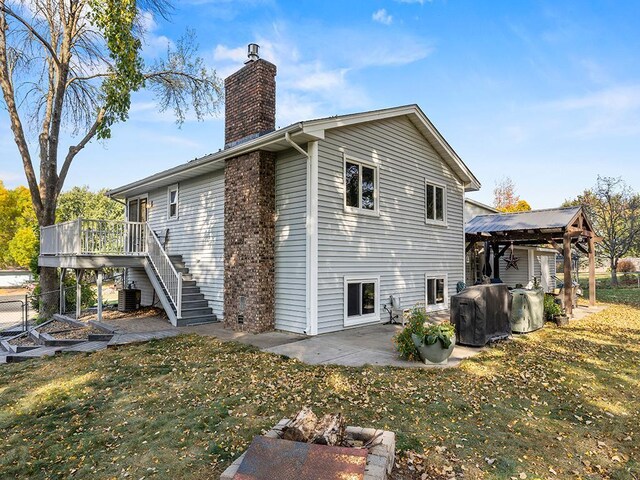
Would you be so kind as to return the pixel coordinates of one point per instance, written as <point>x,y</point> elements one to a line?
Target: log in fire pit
<point>312,448</point>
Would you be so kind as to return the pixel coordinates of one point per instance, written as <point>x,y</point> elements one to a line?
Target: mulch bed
<point>23,341</point>
<point>143,312</point>
<point>63,330</point>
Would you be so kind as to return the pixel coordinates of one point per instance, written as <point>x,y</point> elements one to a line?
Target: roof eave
<point>249,146</point>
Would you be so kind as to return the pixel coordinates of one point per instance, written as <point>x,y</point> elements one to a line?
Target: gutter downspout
<point>311,233</point>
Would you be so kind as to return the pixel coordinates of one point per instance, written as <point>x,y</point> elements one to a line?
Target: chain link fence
<point>21,311</point>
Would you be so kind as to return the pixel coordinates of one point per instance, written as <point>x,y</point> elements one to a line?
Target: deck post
<point>592,272</point>
<point>99,285</point>
<point>62,297</point>
<point>79,272</point>
<point>568,282</point>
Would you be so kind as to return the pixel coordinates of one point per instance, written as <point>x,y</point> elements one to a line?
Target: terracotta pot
<point>433,353</point>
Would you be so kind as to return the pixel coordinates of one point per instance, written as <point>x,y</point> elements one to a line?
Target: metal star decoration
<point>512,261</point>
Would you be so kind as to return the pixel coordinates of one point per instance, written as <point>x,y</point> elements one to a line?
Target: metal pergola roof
<point>562,228</point>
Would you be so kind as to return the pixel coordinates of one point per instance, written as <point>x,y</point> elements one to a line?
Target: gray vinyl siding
<point>398,246</point>
<point>514,276</point>
<point>139,276</point>
<point>197,234</point>
<point>472,210</point>
<point>290,242</point>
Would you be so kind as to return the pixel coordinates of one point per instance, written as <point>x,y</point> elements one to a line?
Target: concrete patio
<point>369,345</point>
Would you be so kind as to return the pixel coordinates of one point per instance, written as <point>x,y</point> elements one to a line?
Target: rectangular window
<point>361,301</point>
<point>435,204</point>
<point>436,294</point>
<point>172,201</point>
<point>360,186</point>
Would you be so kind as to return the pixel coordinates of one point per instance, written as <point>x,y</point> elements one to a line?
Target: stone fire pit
<point>379,460</point>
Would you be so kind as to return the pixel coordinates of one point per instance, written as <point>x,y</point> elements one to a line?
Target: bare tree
<point>614,209</point>
<point>505,198</point>
<point>71,66</point>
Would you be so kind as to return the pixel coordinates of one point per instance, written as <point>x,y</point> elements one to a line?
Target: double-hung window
<point>361,300</point>
<point>360,187</point>
<point>436,292</point>
<point>172,202</point>
<point>435,203</point>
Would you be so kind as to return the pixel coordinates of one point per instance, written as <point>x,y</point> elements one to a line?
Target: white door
<point>544,273</point>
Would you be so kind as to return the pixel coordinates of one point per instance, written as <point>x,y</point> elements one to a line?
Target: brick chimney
<point>249,193</point>
<point>250,100</point>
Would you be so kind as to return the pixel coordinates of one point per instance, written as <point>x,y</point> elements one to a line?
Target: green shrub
<point>416,324</point>
<point>551,308</point>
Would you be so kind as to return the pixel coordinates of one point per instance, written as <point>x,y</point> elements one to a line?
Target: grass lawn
<point>559,403</point>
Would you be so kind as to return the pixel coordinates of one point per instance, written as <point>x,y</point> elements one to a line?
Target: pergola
<point>560,228</point>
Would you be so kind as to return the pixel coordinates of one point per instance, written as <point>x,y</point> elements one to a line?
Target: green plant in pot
<point>422,340</point>
<point>553,311</point>
<point>436,345</point>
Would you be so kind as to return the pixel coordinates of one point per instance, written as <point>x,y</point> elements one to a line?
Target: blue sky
<point>547,93</point>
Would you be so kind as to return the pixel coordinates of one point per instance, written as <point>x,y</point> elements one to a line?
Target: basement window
<point>435,203</point>
<point>436,294</point>
<point>360,187</point>
<point>172,202</point>
<point>361,300</point>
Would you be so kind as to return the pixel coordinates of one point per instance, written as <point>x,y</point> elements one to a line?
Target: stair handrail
<point>167,274</point>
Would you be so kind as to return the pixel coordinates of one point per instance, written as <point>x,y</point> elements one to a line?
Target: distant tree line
<point>19,231</point>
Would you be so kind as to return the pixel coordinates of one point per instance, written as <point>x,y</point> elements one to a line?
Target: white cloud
<point>619,98</point>
<point>381,16</point>
<point>222,52</point>
<point>316,77</point>
<point>153,44</point>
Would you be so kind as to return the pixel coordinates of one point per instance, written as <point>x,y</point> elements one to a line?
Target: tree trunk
<point>49,301</point>
<point>614,274</point>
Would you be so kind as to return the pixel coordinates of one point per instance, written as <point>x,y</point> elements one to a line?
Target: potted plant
<point>423,340</point>
<point>552,311</point>
<point>436,345</point>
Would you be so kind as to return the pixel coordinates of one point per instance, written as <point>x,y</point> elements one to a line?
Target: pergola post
<point>496,261</point>
<point>592,272</point>
<point>99,285</point>
<point>568,283</point>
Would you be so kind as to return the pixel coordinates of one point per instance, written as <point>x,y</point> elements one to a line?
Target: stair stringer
<point>157,286</point>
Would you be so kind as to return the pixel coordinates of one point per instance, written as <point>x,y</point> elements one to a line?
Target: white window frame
<point>376,188</point>
<point>433,221</point>
<point>437,306</point>
<point>361,319</point>
<point>144,196</point>
<point>170,189</point>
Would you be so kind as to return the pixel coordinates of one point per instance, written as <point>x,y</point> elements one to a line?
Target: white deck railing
<point>93,237</point>
<point>170,278</point>
<point>112,237</point>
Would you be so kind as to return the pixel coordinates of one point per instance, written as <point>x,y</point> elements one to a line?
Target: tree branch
<point>73,151</point>
<point>16,124</point>
<point>33,31</point>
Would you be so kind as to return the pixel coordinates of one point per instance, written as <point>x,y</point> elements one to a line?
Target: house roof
<point>480,204</point>
<point>551,218</point>
<point>301,133</point>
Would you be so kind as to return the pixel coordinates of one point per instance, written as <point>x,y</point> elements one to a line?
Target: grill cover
<point>480,313</point>
<point>527,312</point>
